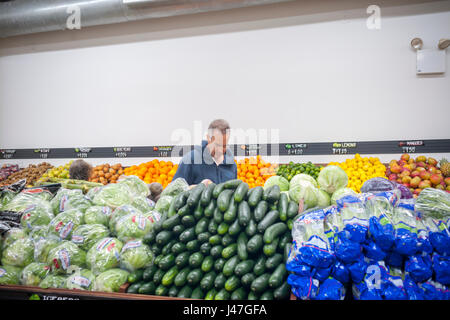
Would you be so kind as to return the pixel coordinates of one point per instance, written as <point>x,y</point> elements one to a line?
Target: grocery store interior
<point>338,141</point>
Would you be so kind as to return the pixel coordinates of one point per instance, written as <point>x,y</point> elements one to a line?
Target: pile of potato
<point>32,173</point>
<point>105,173</point>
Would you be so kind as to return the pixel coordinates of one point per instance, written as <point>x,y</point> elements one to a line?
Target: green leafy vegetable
<point>111,280</point>
<point>340,193</point>
<point>38,214</point>
<point>53,281</point>
<point>9,275</point>
<point>104,255</point>
<point>65,255</point>
<point>82,279</point>
<point>19,253</point>
<point>113,195</point>
<point>283,183</point>
<point>304,190</point>
<point>86,235</point>
<point>332,178</point>
<point>133,226</point>
<point>433,203</point>
<point>176,187</point>
<point>97,215</point>
<point>135,255</point>
<point>64,223</point>
<point>34,273</point>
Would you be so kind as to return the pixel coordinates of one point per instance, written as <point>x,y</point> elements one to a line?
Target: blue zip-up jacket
<point>198,165</point>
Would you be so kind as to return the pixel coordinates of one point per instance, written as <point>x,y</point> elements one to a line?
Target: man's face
<point>218,142</point>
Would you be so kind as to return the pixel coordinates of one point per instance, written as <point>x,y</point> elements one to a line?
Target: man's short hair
<point>80,170</point>
<point>219,124</point>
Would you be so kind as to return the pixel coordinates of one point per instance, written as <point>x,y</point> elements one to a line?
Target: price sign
<point>410,146</point>
<point>295,149</point>
<point>343,147</point>
<point>121,152</point>
<point>8,153</point>
<point>82,152</point>
<point>43,153</point>
<point>163,151</point>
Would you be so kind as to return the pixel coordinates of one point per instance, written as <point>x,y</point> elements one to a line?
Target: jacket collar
<point>228,158</point>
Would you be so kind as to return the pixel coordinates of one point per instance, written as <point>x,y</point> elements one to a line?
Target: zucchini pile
<point>221,242</point>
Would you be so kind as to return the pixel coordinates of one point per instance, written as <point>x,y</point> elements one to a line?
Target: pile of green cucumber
<point>221,242</point>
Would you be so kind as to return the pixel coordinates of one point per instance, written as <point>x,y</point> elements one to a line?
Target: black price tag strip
<point>282,149</point>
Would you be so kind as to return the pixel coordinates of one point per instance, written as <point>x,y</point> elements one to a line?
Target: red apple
<point>447,181</point>
<point>415,173</point>
<point>406,179</point>
<point>436,179</point>
<point>393,176</point>
<point>424,184</point>
<point>432,161</point>
<point>396,169</point>
<point>425,175</point>
<point>415,182</point>
<point>432,170</point>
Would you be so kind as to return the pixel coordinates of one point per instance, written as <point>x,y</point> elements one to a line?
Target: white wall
<point>310,69</point>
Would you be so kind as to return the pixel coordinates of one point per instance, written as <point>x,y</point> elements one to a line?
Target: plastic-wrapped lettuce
<point>104,255</point>
<point>135,255</point>
<point>53,281</point>
<point>43,246</point>
<point>143,204</point>
<point>38,214</point>
<point>34,273</point>
<point>27,198</point>
<point>86,235</point>
<point>12,235</point>
<point>92,192</point>
<point>111,280</point>
<point>342,192</point>
<point>119,213</point>
<point>97,215</point>
<point>19,253</point>
<point>74,201</point>
<point>38,233</point>
<point>305,190</point>
<point>82,279</point>
<point>113,195</point>
<point>136,185</point>
<point>9,275</point>
<point>354,217</point>
<point>64,223</point>
<point>434,203</point>
<point>62,192</point>
<point>65,255</point>
<point>163,204</point>
<point>332,178</point>
<point>133,226</point>
<point>405,226</point>
<point>177,186</point>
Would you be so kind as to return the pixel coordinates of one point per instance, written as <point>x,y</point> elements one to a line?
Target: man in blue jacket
<point>212,161</point>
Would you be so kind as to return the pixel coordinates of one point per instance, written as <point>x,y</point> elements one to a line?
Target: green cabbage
<point>113,195</point>
<point>323,199</point>
<point>133,226</point>
<point>118,214</point>
<point>38,233</point>
<point>111,280</point>
<point>305,190</point>
<point>65,256</point>
<point>86,235</point>
<point>56,201</point>
<point>174,188</point>
<point>82,279</point>
<point>19,253</point>
<point>34,273</point>
<point>302,177</point>
<point>280,181</point>
<point>53,281</point>
<point>143,204</point>
<point>163,204</point>
<point>135,255</point>
<point>43,246</point>
<point>12,235</point>
<point>332,178</point>
<point>92,192</point>
<point>38,214</point>
<point>97,215</point>
<point>136,185</point>
<point>64,223</point>
<point>74,201</point>
<point>104,255</point>
<point>342,192</point>
<point>10,275</point>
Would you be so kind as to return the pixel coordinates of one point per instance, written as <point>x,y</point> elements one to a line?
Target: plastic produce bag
<point>340,272</point>
<point>34,273</point>
<point>38,233</point>
<point>92,192</point>
<point>43,246</point>
<point>322,274</point>
<point>113,195</point>
<point>53,281</point>
<point>7,193</point>
<point>133,226</point>
<point>38,214</point>
<point>64,223</point>
<point>86,235</point>
<point>304,288</point>
<point>373,251</point>
<point>65,255</point>
<point>354,217</point>
<point>394,259</point>
<point>357,270</point>
<point>434,203</point>
<point>310,244</point>
<point>177,186</point>
<point>12,235</point>
<point>27,198</point>
<point>143,204</point>
<point>56,201</point>
<point>163,204</point>
<point>135,255</point>
<point>413,292</point>
<point>439,235</point>
<point>340,193</point>
<point>98,215</point>
<point>377,185</point>
<point>110,280</point>
<point>10,275</point>
<point>138,187</point>
<point>433,291</point>
<point>392,287</point>
<point>301,270</point>
<point>419,267</point>
<point>19,253</point>
<point>423,238</point>
<point>119,213</point>
<point>404,220</point>
<point>331,289</point>
<point>81,279</point>
<point>104,255</point>
<point>74,201</point>
<point>441,268</point>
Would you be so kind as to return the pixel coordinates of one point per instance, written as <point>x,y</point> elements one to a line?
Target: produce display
<point>154,171</point>
<point>418,174</point>
<point>220,242</point>
<point>105,173</point>
<point>255,171</point>
<point>380,246</point>
<point>31,173</point>
<point>58,172</point>
<point>6,170</point>
<point>359,169</point>
<point>85,186</point>
<point>288,171</point>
